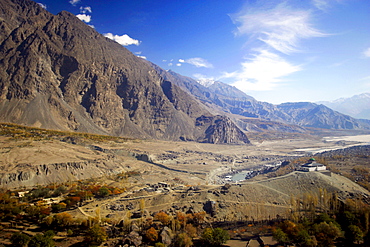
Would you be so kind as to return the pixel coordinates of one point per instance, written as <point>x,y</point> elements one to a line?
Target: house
<point>312,165</point>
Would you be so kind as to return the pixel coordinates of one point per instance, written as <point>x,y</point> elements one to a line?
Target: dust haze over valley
<point>93,133</point>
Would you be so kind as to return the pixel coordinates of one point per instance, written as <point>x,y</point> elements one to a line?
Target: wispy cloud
<point>84,17</point>
<point>321,4</point>
<point>86,9</point>
<point>325,5</point>
<point>124,40</point>
<point>281,27</point>
<point>262,72</point>
<point>197,62</point>
<point>138,54</point>
<point>74,2</point>
<point>275,31</point>
<point>367,52</point>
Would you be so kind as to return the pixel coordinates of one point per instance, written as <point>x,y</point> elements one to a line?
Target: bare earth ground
<point>190,162</point>
<point>193,169</point>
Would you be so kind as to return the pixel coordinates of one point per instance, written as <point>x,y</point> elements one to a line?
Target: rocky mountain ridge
<point>60,73</point>
<point>232,100</point>
<point>357,106</point>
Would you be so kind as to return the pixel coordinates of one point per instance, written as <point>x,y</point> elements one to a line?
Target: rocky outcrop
<point>30,175</point>
<point>59,73</point>
<point>220,130</point>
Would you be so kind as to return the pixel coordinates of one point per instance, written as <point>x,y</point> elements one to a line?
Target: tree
<point>164,218</point>
<point>191,230</point>
<point>63,220</point>
<point>304,239</point>
<point>104,191</point>
<point>151,234</point>
<point>19,239</point>
<point>354,233</point>
<point>215,237</point>
<point>183,240</point>
<point>326,233</point>
<point>281,236</point>
<point>42,240</point>
<point>96,235</point>
<point>59,191</point>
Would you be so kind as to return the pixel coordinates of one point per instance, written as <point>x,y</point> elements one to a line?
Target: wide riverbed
<point>342,142</point>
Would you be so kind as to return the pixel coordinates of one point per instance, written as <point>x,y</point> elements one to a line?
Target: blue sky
<point>276,51</point>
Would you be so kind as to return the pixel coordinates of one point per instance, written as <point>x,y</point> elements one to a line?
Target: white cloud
<point>197,62</point>
<point>143,57</point>
<point>74,2</point>
<point>170,64</point>
<point>367,52</point>
<point>84,17</point>
<point>124,40</point>
<point>261,73</point>
<point>92,26</point>
<point>178,64</point>
<point>42,5</point>
<point>85,10</point>
<point>181,60</point>
<point>281,27</point>
<point>321,4</point>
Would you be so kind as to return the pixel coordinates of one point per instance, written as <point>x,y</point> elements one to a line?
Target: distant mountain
<point>231,100</point>
<point>319,116</point>
<point>357,106</point>
<point>59,73</point>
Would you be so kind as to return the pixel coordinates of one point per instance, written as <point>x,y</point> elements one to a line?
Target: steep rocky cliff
<point>59,73</point>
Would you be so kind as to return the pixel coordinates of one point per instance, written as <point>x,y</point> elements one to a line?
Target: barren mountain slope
<point>60,73</point>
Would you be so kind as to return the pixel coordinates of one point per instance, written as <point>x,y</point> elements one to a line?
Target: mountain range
<point>59,73</point>
<point>357,106</point>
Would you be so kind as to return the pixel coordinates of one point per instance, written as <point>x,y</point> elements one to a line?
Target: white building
<point>312,165</point>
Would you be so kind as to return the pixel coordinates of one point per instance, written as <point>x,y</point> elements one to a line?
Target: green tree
<point>96,235</point>
<point>304,239</point>
<point>19,239</point>
<point>104,191</point>
<point>42,240</point>
<point>326,233</point>
<point>280,236</point>
<point>215,236</point>
<point>59,191</point>
<point>354,234</point>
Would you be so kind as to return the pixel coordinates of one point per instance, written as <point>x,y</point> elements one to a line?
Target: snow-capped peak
<point>206,82</point>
